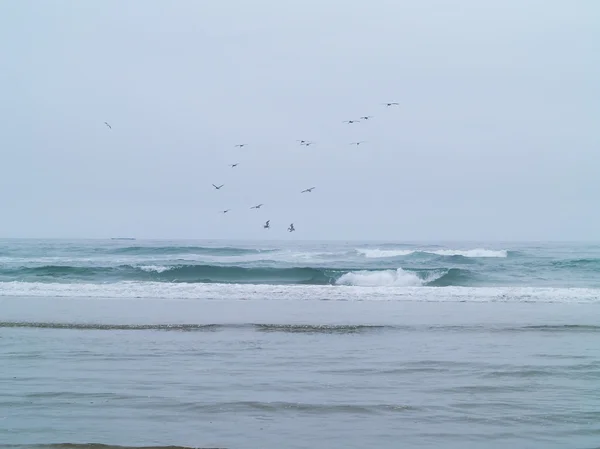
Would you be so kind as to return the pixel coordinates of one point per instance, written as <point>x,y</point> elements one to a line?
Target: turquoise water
<point>131,267</point>
<point>269,345</point>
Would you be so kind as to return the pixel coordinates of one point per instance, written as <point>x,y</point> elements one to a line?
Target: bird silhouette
<point>218,187</point>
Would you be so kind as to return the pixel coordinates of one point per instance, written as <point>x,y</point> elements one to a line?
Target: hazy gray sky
<point>497,135</point>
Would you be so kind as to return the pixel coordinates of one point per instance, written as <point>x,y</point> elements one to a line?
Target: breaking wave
<point>240,275</point>
<point>471,253</point>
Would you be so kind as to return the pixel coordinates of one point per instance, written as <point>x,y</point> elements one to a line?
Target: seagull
<point>366,117</point>
<point>357,143</point>
<point>234,165</point>
<point>258,206</point>
<point>218,187</point>
<point>106,123</point>
<point>391,104</point>
<point>266,225</point>
<point>225,211</point>
<point>291,228</point>
<point>351,121</point>
<point>302,142</point>
<point>240,145</point>
<point>307,143</point>
<point>308,190</point>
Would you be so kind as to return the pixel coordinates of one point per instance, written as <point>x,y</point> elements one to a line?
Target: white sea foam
<point>382,253</point>
<point>396,278</point>
<point>154,268</point>
<point>475,253</point>
<point>189,291</point>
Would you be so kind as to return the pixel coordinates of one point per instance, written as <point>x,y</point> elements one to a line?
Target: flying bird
<point>226,210</point>
<point>258,206</point>
<point>291,228</point>
<point>240,145</point>
<point>267,225</point>
<point>357,143</point>
<point>307,143</point>
<point>234,165</point>
<point>351,121</point>
<point>366,117</point>
<point>218,187</point>
<point>106,123</point>
<point>391,104</point>
<point>308,190</point>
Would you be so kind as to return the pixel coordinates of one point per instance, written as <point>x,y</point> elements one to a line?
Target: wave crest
<point>477,252</point>
<point>396,278</point>
<point>170,250</point>
<point>227,274</point>
<point>441,277</point>
<point>383,253</point>
<point>376,253</point>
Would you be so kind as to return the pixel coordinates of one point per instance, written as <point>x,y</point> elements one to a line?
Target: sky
<point>496,135</point>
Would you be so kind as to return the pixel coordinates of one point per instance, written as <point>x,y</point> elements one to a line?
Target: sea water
<point>296,345</point>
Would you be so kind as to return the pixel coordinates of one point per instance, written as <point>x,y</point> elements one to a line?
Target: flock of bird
<point>306,143</point>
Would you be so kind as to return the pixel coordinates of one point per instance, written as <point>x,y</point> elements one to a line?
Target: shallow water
<point>297,374</point>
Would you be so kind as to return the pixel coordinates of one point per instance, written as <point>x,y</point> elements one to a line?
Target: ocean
<point>266,345</point>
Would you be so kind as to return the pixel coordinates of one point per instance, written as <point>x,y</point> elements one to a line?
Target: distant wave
<point>91,446</point>
<point>240,275</point>
<point>478,252</point>
<point>472,253</point>
<point>585,264</point>
<point>170,250</point>
<point>382,253</point>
